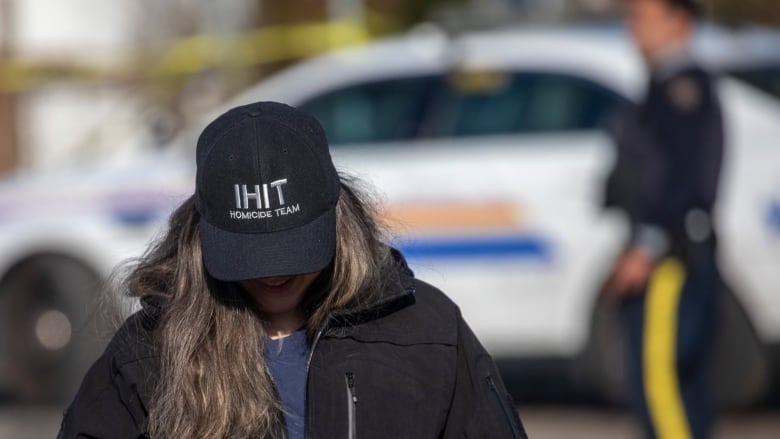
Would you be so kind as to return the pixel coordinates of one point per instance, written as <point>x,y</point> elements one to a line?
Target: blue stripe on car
<point>773,220</point>
<point>524,246</point>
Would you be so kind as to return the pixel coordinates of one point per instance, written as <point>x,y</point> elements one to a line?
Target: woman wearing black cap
<point>272,308</point>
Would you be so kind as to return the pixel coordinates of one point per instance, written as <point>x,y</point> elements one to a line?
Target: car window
<point>379,111</point>
<point>460,105</point>
<point>476,103</point>
<point>765,78</point>
<point>522,103</point>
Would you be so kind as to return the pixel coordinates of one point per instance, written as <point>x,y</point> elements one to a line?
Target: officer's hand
<point>630,274</point>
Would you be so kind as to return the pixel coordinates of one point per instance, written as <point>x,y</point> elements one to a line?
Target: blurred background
<point>480,122</point>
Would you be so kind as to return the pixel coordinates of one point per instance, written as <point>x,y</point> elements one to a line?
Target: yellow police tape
<point>190,55</point>
<point>662,389</point>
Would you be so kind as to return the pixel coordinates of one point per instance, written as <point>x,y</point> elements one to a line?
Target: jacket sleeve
<point>481,407</point>
<point>106,406</point>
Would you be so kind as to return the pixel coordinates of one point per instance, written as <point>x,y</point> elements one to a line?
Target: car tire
<point>600,370</point>
<point>48,332</point>
<point>741,367</point>
<point>740,372</point>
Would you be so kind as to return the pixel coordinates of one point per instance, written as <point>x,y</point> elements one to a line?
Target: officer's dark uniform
<point>666,177</point>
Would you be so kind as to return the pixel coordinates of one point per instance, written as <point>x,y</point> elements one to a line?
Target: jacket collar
<point>396,293</point>
<point>671,62</point>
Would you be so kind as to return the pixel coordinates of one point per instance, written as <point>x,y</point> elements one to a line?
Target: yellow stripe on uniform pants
<point>659,358</point>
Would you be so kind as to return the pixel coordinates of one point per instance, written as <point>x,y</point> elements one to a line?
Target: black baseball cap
<point>266,190</point>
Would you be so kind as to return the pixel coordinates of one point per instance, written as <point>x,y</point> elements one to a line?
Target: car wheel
<point>600,370</point>
<point>47,336</point>
<point>740,372</point>
<point>741,368</point>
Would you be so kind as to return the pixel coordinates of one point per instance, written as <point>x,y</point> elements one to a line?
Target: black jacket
<point>669,154</point>
<point>407,366</point>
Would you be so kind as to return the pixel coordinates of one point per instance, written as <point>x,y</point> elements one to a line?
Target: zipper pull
<point>351,405</point>
<point>351,385</point>
<point>490,382</point>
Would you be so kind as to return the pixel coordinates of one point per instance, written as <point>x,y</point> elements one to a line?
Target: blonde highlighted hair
<point>213,381</point>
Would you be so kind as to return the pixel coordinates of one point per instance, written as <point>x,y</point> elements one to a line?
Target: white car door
<point>492,186</point>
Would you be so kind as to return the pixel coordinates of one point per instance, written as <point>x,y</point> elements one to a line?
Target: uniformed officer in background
<point>669,151</point>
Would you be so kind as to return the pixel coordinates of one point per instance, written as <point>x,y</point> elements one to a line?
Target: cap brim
<point>231,256</point>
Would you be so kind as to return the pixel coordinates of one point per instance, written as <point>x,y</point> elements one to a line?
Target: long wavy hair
<point>213,380</point>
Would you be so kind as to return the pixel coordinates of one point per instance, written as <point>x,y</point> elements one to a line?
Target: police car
<point>490,154</point>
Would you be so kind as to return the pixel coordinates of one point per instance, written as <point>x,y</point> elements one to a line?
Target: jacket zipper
<point>317,337</point>
<point>500,401</point>
<point>351,404</point>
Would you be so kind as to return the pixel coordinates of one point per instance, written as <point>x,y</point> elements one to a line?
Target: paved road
<point>566,423</point>
<point>29,423</point>
<point>540,422</point>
